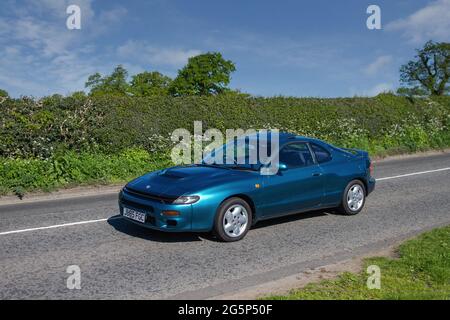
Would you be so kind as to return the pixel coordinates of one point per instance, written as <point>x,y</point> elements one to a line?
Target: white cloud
<point>379,63</point>
<point>101,23</point>
<point>377,89</point>
<point>146,53</point>
<point>112,16</point>
<point>41,36</point>
<point>432,22</point>
<point>41,56</point>
<point>24,73</point>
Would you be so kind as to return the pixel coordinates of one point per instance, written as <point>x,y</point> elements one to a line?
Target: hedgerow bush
<point>72,168</point>
<point>58,140</point>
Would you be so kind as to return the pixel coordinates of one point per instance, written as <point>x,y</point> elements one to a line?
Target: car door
<point>336,173</point>
<point>297,187</point>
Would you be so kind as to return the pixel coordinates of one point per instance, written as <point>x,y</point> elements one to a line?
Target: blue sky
<point>295,48</point>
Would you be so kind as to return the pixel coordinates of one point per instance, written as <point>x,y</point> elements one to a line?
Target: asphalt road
<point>120,260</point>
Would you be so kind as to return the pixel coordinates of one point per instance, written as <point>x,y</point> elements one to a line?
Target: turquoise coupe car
<point>229,198</point>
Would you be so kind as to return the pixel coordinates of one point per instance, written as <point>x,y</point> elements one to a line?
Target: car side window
<point>296,155</point>
<point>321,154</point>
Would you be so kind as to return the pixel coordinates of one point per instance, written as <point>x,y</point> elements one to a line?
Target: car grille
<point>135,205</point>
<point>146,195</point>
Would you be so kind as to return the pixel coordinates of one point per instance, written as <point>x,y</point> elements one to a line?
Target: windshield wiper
<point>225,166</point>
<point>212,165</point>
<point>243,168</point>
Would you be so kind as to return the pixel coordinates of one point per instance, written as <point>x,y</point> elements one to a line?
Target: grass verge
<point>422,271</point>
<point>18,176</point>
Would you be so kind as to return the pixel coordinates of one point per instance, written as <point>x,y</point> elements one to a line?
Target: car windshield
<point>241,153</point>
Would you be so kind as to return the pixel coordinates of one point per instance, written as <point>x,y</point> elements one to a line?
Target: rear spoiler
<point>356,152</point>
<point>361,155</point>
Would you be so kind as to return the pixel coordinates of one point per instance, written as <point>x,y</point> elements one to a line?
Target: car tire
<point>353,198</point>
<point>233,220</point>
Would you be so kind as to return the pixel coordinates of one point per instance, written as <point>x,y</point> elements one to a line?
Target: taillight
<point>371,169</point>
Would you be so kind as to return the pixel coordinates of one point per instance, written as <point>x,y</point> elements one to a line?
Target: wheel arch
<point>364,182</point>
<point>247,199</point>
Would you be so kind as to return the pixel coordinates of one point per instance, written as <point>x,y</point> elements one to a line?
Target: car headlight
<point>186,200</point>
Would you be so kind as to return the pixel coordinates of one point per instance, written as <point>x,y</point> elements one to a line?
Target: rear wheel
<point>233,220</point>
<point>353,198</point>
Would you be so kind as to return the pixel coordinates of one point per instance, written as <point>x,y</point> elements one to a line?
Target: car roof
<point>285,137</point>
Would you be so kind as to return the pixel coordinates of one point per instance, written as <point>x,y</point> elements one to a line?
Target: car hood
<point>177,181</point>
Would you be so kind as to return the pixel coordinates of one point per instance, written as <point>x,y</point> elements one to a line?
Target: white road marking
<point>411,174</point>
<point>57,226</point>
<point>105,219</point>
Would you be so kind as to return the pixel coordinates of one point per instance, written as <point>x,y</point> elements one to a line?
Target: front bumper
<point>153,209</point>
<point>371,185</point>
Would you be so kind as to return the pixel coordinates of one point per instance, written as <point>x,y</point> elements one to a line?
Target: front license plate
<point>134,215</point>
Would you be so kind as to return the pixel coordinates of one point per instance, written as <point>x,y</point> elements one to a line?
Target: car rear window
<point>321,154</point>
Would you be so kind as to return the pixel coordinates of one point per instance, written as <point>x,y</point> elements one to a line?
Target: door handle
<point>317,174</point>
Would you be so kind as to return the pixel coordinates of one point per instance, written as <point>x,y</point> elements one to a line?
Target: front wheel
<point>353,198</point>
<point>233,220</point>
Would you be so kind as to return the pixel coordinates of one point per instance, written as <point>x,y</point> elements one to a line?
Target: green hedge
<point>95,136</point>
<point>30,128</point>
<point>71,168</point>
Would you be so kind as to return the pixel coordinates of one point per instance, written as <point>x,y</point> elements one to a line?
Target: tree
<point>204,74</point>
<point>430,70</point>
<point>411,91</point>
<point>115,83</point>
<point>150,84</point>
<point>3,94</point>
<point>78,94</point>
